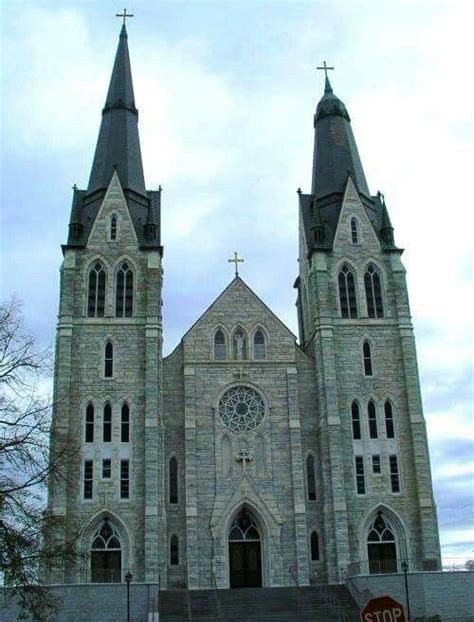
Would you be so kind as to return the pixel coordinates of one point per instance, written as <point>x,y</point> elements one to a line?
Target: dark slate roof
<point>118,149</point>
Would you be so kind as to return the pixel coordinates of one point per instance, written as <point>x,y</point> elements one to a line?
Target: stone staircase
<point>328,603</point>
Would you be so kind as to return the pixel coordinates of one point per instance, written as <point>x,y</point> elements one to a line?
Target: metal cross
<point>124,15</point>
<point>236,261</point>
<point>244,457</point>
<point>325,68</point>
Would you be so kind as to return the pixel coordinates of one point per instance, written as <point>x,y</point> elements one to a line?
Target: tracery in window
<point>354,231</point>
<point>219,346</point>
<point>108,360</point>
<point>106,554</point>
<point>89,423</point>
<point>367,355</point>
<point>373,292</point>
<point>113,227</point>
<point>173,480</point>
<point>389,424</point>
<point>125,424</point>
<point>239,345</point>
<point>244,527</point>
<point>314,546</point>
<point>311,478</point>
<point>381,546</point>
<point>241,409</point>
<point>347,293</point>
<point>355,414</point>
<point>174,550</point>
<point>372,413</point>
<point>107,424</point>
<point>96,291</point>
<point>259,348</point>
<point>124,291</point>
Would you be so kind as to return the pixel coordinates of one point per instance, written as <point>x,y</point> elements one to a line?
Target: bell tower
<point>108,378</point>
<point>354,318</point>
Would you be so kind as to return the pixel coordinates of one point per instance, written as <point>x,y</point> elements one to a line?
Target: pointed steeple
<point>335,149</point>
<point>118,145</point>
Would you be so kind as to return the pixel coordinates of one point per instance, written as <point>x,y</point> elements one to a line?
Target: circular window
<point>241,409</point>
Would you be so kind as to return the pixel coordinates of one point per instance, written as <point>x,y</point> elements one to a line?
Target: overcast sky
<point>226,93</point>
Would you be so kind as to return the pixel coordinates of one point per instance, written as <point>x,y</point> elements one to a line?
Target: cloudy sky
<point>226,92</point>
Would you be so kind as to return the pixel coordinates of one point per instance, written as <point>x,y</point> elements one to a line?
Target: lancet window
<point>354,231</point>
<point>96,291</point>
<point>125,424</point>
<point>113,227</point>
<point>106,554</point>
<point>108,360</point>
<point>347,292</point>
<point>367,355</point>
<point>389,424</point>
<point>107,424</point>
<point>89,438</point>
<point>372,414</point>
<point>219,346</point>
<point>373,292</point>
<point>259,347</point>
<point>124,291</point>
<point>311,478</point>
<point>355,414</point>
<point>173,480</point>
<point>174,550</point>
<point>314,546</point>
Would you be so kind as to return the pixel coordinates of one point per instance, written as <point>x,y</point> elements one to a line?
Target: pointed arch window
<point>125,424</point>
<point>124,291</point>
<point>367,355</point>
<point>355,414</point>
<point>347,292</point>
<point>89,423</point>
<point>372,414</point>
<point>113,228</point>
<point>311,478</point>
<point>219,346</point>
<point>381,546</point>
<point>106,554</point>
<point>314,546</point>
<point>259,346</point>
<point>354,231</point>
<point>389,424</point>
<point>373,292</point>
<point>108,360</point>
<point>96,291</point>
<point>239,345</point>
<point>107,424</point>
<point>173,480</point>
<point>174,550</point>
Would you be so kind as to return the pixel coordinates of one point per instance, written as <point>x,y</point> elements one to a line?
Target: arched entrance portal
<point>106,554</point>
<point>381,546</point>
<point>245,552</point>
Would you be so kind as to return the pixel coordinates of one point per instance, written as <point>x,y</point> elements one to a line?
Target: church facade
<point>244,458</point>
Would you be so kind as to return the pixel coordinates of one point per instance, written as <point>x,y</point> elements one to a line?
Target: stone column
<point>192,552</point>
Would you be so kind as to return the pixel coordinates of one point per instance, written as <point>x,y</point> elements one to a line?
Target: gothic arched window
<point>107,424</point>
<point>219,346</point>
<point>259,349</point>
<point>373,292</point>
<point>89,423</point>
<point>355,414</point>
<point>173,480</point>
<point>96,291</point>
<point>381,546</point>
<point>125,423</point>
<point>109,360</point>
<point>106,555</point>
<point>367,355</point>
<point>311,478</point>
<point>372,414</point>
<point>239,345</point>
<point>124,291</point>
<point>113,228</point>
<point>389,424</point>
<point>174,550</point>
<point>314,546</point>
<point>354,231</point>
<point>347,293</point>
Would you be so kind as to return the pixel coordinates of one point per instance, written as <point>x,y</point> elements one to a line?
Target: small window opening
<point>367,354</point>
<point>88,478</point>
<point>376,465</point>
<point>389,424</point>
<point>354,231</point>
<point>314,547</point>
<point>107,424</point>
<point>124,479</point>
<point>373,432</point>
<point>106,468</point>
<point>259,345</point>
<point>311,478</point>
<point>109,360</point>
<point>125,424</point>
<point>219,346</point>
<point>89,423</point>
<point>360,475</point>
<point>355,413</point>
<point>174,551</point>
<point>113,227</point>
<point>394,474</point>
<point>173,481</point>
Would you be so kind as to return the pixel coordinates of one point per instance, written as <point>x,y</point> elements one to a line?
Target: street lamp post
<point>128,578</point>
<point>407,596</point>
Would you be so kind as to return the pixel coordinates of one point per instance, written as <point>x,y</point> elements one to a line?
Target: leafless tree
<point>25,467</point>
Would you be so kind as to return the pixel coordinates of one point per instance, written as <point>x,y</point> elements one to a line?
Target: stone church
<point>247,457</point>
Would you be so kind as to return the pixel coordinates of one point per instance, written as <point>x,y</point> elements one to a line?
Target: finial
<point>299,191</point>
<point>75,187</point>
<point>160,188</point>
<point>124,15</point>
<point>327,84</point>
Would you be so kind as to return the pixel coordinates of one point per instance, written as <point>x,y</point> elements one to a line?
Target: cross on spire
<point>124,15</point>
<point>236,260</point>
<point>325,68</point>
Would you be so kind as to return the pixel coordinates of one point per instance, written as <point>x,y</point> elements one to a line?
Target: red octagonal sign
<point>383,609</point>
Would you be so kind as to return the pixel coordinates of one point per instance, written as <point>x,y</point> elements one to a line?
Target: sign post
<point>383,609</point>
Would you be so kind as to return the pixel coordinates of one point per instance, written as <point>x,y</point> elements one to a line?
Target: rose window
<point>241,409</point>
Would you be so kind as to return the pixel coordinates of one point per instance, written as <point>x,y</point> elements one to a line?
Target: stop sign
<point>382,609</point>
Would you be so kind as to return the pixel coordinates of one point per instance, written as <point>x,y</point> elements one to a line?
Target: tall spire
<point>118,145</point>
<point>335,149</point>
